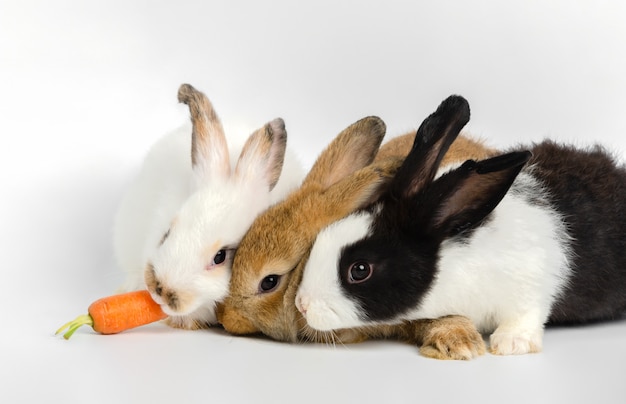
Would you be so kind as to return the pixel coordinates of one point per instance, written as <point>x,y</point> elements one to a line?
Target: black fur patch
<point>407,232</point>
<point>589,190</point>
<point>396,285</point>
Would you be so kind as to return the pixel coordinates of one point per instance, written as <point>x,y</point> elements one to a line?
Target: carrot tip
<point>75,324</point>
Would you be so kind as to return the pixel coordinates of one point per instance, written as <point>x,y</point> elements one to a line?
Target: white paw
<point>512,343</point>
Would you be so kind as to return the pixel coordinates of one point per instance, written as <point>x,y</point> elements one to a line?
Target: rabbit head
<point>376,266</point>
<point>263,282</point>
<point>269,262</point>
<point>190,270</point>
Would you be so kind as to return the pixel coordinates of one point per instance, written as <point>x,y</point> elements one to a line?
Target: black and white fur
<point>552,251</point>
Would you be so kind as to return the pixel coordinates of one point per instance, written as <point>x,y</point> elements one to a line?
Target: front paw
<point>452,337</point>
<point>514,343</point>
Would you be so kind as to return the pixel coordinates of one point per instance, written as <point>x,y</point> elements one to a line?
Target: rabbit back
<point>161,186</point>
<point>588,188</point>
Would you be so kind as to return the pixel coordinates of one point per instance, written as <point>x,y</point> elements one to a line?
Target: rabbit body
<point>150,203</point>
<point>550,252</point>
<point>554,245</point>
<point>507,274</point>
<point>349,174</point>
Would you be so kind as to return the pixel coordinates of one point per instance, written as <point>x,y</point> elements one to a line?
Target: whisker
<point>307,334</point>
<point>338,338</point>
<point>301,326</point>
<point>333,338</point>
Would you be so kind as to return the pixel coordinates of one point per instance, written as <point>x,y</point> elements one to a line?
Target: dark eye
<point>360,271</point>
<point>269,283</point>
<point>219,257</point>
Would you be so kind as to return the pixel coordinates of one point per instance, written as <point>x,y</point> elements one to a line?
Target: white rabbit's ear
<point>209,150</point>
<point>263,154</point>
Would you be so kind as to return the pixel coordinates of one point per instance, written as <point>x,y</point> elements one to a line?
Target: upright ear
<point>433,138</point>
<point>263,154</point>
<point>354,148</point>
<point>209,150</point>
<point>462,198</point>
<point>356,191</point>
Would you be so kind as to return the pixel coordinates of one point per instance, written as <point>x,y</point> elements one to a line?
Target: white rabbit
<point>181,220</point>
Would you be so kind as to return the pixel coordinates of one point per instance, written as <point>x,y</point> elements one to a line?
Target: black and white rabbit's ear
<point>462,198</point>
<point>209,150</point>
<point>433,138</point>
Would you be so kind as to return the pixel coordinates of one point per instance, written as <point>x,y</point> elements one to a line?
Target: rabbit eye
<point>269,283</point>
<point>223,255</point>
<point>360,271</point>
<point>219,257</point>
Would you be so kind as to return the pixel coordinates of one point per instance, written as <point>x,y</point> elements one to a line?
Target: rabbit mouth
<point>176,306</point>
<point>174,303</point>
<point>322,317</point>
<point>192,318</point>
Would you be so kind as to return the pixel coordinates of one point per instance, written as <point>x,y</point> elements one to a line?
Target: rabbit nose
<point>172,300</point>
<point>302,304</point>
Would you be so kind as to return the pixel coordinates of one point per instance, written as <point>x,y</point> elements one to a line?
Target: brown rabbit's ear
<point>361,189</point>
<point>354,148</point>
<point>209,150</point>
<point>263,154</point>
<point>398,146</point>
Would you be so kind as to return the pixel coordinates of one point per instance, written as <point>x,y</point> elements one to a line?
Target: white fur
<point>505,277</point>
<point>320,297</point>
<point>204,216</point>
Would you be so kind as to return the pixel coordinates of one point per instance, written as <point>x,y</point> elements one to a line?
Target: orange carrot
<point>117,313</point>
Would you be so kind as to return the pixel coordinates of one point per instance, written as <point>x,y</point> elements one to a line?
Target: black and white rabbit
<point>512,242</point>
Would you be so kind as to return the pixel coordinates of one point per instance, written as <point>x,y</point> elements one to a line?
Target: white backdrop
<point>87,87</point>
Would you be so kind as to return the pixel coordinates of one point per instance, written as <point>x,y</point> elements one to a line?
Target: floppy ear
<point>263,154</point>
<point>433,138</point>
<point>209,150</point>
<point>354,148</point>
<point>462,198</point>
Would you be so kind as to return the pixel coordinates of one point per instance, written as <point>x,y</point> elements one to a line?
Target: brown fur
<point>463,148</point>
<point>352,149</point>
<point>279,241</point>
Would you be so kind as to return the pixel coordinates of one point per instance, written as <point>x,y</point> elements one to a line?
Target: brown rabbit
<point>349,174</point>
